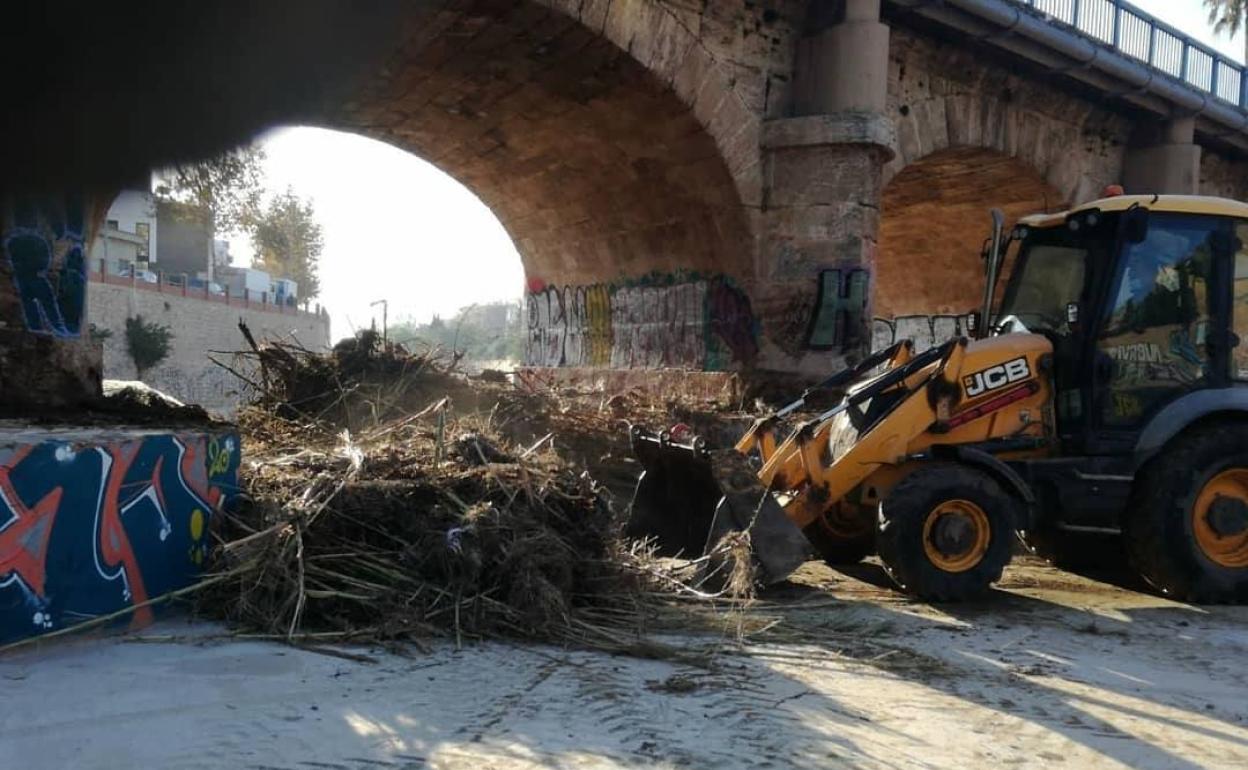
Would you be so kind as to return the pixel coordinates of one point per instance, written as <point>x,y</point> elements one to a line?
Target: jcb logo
<point>996,377</point>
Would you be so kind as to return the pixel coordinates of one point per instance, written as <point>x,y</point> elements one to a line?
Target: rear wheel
<point>945,532</point>
<point>1187,530</point>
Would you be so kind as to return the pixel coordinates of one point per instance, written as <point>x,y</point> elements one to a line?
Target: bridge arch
<point>934,218</point>
<point>590,142</point>
<point>942,96</point>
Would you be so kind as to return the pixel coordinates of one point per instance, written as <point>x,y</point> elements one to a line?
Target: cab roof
<point>1179,204</point>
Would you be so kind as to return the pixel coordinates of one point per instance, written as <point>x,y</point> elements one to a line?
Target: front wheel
<point>945,532</point>
<point>842,537</point>
<point>1187,529</point>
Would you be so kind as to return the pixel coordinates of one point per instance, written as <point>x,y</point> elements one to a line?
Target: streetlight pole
<point>385,309</point>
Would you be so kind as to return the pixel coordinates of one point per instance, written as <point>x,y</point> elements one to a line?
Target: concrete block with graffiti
<point>95,520</point>
<point>657,322</point>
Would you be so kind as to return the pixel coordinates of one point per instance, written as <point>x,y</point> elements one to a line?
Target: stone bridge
<point>702,184</point>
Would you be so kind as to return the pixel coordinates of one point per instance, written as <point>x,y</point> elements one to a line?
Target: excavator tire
<point>1186,531</point>
<point>840,549</point>
<point>945,532</point>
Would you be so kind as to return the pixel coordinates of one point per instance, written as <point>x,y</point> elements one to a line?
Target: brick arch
<point>605,138</point>
<point>934,218</point>
<point>941,96</point>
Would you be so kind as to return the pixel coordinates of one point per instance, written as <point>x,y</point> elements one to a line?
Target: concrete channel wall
<point>200,326</point>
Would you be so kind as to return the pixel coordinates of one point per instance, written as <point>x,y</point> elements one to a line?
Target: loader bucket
<point>688,497</point>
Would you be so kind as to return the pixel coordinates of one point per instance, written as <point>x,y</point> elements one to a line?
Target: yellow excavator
<point>1107,393</point>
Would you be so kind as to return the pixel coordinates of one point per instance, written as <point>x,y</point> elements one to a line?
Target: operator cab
<point>1144,298</point>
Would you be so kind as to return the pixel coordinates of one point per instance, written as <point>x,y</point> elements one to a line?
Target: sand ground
<point>1054,670</point>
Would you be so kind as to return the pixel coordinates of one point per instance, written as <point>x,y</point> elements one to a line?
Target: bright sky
<point>1191,18</point>
<point>396,228</point>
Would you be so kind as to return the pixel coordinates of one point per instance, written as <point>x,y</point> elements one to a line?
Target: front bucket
<point>689,497</point>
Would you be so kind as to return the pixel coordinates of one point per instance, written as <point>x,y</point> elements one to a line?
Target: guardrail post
<point>1152,43</point>
<point>1074,14</point>
<point>1243,86</point>
<point>1184,52</point>
<point>1116,10</point>
<point>1213,75</point>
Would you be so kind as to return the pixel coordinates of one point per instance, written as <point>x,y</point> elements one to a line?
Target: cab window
<point>1154,335</point>
<point>1239,304</point>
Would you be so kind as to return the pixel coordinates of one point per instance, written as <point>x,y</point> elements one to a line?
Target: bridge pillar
<point>47,356</point>
<point>844,67</point>
<point>1167,160</point>
<point>823,171</point>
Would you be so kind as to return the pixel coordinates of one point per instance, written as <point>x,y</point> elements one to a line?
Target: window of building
<point>144,231</point>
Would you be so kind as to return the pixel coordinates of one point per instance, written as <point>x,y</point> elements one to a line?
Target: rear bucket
<point>689,497</point>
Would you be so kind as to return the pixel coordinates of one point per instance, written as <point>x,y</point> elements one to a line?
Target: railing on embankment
<point>179,285</point>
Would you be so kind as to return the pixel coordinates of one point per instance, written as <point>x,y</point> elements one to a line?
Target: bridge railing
<point>1136,34</point>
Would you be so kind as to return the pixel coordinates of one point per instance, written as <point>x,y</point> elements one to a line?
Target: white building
<point>246,281</point>
<point>128,236</point>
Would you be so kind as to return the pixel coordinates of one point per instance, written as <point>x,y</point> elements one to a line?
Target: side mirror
<point>1136,225</point>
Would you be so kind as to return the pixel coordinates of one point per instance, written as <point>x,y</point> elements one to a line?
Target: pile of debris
<point>423,522</point>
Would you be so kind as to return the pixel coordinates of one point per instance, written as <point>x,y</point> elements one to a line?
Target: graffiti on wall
<point>926,330</point>
<point>837,319</point>
<point>87,529</point>
<point>43,245</point>
<point>702,323</point>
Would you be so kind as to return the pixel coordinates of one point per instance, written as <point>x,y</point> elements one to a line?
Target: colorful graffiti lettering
<point>837,318</point>
<point>43,241</point>
<point>926,330</point>
<point>87,528</point>
<point>695,324</point>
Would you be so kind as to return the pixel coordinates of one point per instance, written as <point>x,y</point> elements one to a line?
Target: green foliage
<point>99,333</point>
<point>1229,17</point>
<point>488,332</point>
<point>148,343</point>
<point>222,193</point>
<point>288,242</point>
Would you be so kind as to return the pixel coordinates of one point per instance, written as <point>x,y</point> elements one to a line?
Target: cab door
<point>1158,336</point>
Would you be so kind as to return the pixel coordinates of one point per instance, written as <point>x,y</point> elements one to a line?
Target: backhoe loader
<point>1107,393</point>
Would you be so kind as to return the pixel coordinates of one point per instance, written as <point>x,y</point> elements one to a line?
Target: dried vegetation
<point>389,499</point>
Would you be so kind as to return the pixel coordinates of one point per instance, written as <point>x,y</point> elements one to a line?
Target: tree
<point>1229,16</point>
<point>287,239</point>
<point>222,194</point>
<point>148,343</point>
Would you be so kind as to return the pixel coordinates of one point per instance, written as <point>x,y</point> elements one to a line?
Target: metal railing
<point>180,284</point>
<point>1136,34</point>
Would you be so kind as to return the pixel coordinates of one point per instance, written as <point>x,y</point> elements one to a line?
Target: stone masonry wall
<point>199,326</point>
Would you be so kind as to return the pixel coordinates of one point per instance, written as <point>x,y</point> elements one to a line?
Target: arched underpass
<point>928,272</point>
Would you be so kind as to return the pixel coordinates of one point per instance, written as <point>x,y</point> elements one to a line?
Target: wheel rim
<point>1220,519</point>
<point>956,535</point>
<point>843,524</point>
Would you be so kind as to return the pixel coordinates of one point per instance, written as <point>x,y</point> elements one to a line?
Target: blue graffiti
<point>45,249</point>
<point>87,529</point>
